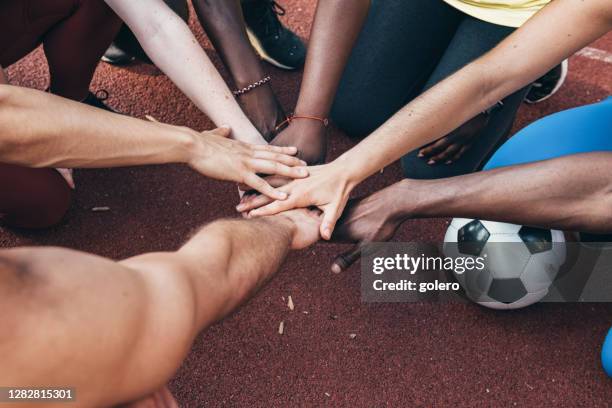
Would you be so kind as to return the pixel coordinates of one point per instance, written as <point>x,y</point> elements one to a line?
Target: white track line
<point>596,54</point>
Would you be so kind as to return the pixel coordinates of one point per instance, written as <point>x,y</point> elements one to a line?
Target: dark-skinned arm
<point>336,27</point>
<point>568,193</point>
<point>224,24</point>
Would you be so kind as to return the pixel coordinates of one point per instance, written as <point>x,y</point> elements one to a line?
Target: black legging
<point>405,48</point>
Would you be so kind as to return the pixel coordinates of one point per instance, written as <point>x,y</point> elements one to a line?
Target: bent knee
<point>32,198</point>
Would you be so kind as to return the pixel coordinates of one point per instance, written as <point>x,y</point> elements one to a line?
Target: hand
<point>308,136</point>
<point>305,226</point>
<point>327,188</point>
<point>451,147</point>
<point>371,219</point>
<point>216,156</point>
<point>263,110</point>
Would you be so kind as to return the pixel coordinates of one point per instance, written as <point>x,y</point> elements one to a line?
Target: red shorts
<point>24,22</point>
<point>32,198</point>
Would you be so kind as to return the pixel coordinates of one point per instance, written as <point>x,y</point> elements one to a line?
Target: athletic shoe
<point>547,85</point>
<point>275,43</point>
<point>117,56</point>
<point>97,100</point>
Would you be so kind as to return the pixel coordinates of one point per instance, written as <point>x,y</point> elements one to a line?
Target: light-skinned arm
<point>535,194</point>
<point>173,48</point>
<point>564,26</point>
<point>38,129</point>
<point>118,331</point>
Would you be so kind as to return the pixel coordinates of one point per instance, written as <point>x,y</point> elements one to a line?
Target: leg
<point>223,22</point>
<point>74,33</point>
<point>75,45</point>
<point>24,23</point>
<point>32,198</point>
<point>579,130</point>
<point>473,39</point>
<point>606,354</point>
<point>391,61</point>
<point>79,319</point>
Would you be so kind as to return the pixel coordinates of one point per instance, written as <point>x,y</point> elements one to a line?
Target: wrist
<point>351,170</point>
<point>305,126</point>
<point>193,146</point>
<point>285,223</point>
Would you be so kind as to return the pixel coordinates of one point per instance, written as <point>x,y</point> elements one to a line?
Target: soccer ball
<point>520,263</point>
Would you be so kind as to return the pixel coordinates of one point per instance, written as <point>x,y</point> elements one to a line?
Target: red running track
<point>402,355</point>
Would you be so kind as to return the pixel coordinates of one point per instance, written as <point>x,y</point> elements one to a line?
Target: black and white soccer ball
<point>521,263</point>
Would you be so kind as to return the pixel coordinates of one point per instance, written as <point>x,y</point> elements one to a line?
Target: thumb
<point>223,131</point>
<point>330,215</point>
<point>346,259</point>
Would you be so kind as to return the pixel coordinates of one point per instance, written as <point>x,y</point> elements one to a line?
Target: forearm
<point>173,48</point>
<point>568,193</point>
<point>334,32</point>
<point>567,25</point>
<point>38,129</point>
<point>229,260</point>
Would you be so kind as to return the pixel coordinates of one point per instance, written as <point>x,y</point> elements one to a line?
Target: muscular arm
<point>568,193</point>
<point>38,129</point>
<point>42,130</point>
<point>173,48</point>
<point>118,331</point>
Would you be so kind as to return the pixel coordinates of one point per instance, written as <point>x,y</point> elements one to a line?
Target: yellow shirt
<point>511,13</point>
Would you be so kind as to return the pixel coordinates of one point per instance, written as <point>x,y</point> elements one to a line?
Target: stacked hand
<point>365,220</point>
<point>308,136</point>
<point>327,188</point>
<point>217,156</point>
<point>305,223</point>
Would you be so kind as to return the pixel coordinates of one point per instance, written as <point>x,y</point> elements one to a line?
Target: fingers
<point>273,208</point>
<point>331,214</point>
<point>253,203</point>
<point>291,150</point>
<point>274,181</point>
<point>279,157</point>
<point>259,184</point>
<point>434,148</point>
<point>460,153</point>
<point>446,154</point>
<point>223,131</point>
<point>274,168</point>
<point>346,259</point>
